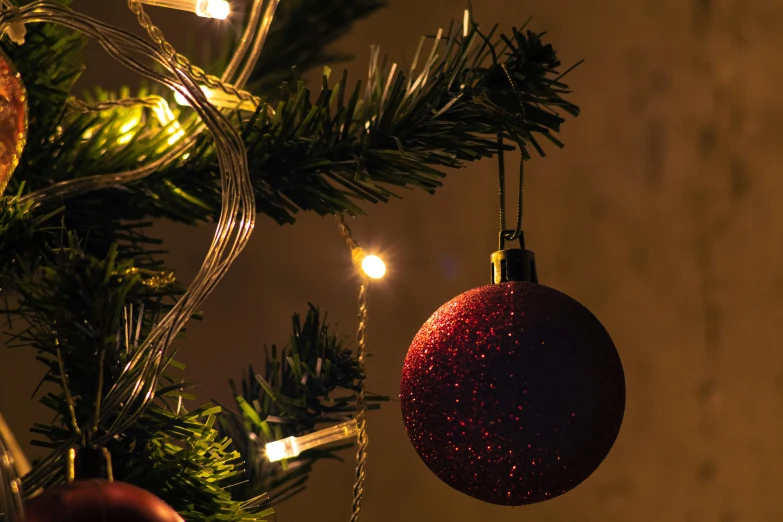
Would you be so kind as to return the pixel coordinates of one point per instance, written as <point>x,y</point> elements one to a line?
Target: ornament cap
<point>89,462</point>
<point>513,264</point>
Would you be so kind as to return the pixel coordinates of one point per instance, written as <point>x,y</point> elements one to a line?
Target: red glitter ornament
<point>91,495</point>
<point>98,501</point>
<point>513,393</point>
<point>13,119</point>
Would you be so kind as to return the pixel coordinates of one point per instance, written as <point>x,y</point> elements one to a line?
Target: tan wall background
<point>662,215</point>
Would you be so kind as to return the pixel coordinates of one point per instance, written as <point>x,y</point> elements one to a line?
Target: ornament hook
<point>511,235</point>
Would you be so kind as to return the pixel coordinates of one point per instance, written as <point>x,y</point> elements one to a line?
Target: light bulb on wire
<point>166,118</point>
<point>220,99</point>
<point>374,266</point>
<point>291,447</point>
<point>217,9</point>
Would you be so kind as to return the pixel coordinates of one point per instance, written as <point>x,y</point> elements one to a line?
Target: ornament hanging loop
<point>512,264</point>
<point>511,235</point>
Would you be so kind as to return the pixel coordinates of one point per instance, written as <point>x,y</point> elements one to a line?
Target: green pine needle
<point>292,397</point>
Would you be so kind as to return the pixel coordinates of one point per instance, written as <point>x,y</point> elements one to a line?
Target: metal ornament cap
<point>91,495</point>
<point>89,462</point>
<point>513,264</point>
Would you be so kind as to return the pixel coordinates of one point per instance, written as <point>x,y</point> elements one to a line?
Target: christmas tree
<point>84,175</point>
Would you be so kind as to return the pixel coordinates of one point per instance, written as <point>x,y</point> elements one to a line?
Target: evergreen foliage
<point>87,282</point>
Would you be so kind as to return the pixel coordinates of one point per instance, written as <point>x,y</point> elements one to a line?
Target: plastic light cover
<point>218,9</point>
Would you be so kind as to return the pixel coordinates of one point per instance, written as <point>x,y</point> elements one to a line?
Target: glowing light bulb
<point>292,446</point>
<point>282,449</point>
<point>220,98</point>
<point>166,118</point>
<point>218,9</point>
<point>374,266</point>
<point>127,131</point>
<point>129,126</point>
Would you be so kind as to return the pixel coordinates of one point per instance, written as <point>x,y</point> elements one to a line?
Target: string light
<point>218,9</point>
<point>374,267</point>
<point>135,385</point>
<point>127,131</point>
<point>8,439</point>
<point>129,126</point>
<point>292,446</point>
<point>164,115</point>
<point>221,99</point>
<point>166,118</point>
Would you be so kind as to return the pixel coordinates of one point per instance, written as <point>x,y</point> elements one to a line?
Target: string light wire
<point>136,385</point>
<point>361,354</point>
<point>11,501</point>
<point>291,447</point>
<point>134,389</point>
<point>231,82</point>
<point>13,463</point>
<point>219,9</point>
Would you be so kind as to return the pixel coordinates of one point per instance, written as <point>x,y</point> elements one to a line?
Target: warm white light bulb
<point>166,118</point>
<point>374,267</point>
<point>292,446</point>
<point>219,9</point>
<point>221,99</point>
<point>282,449</point>
<point>180,99</point>
<point>129,126</point>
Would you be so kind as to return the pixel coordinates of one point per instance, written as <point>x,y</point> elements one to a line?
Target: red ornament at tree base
<point>91,495</point>
<point>512,393</point>
<point>98,501</point>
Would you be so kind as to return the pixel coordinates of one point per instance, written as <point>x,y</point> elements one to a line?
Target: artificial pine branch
<point>352,143</point>
<point>300,36</point>
<point>293,396</point>
<point>187,463</point>
<point>24,240</point>
<point>76,308</point>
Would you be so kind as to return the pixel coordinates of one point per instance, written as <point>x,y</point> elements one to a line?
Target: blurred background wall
<point>662,215</point>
